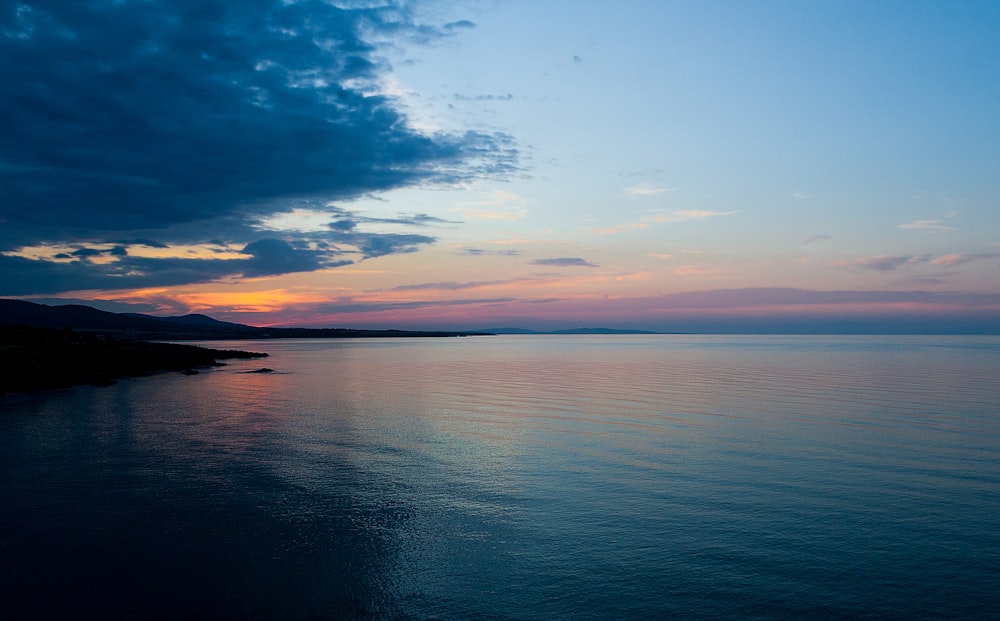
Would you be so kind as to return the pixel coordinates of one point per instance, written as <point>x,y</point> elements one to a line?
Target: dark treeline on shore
<point>33,359</point>
<point>47,347</point>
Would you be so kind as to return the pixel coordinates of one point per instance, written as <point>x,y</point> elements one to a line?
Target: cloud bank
<point>186,122</point>
<point>753,310</point>
<point>887,263</point>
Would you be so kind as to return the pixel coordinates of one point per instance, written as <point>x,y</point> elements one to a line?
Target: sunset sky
<point>666,165</point>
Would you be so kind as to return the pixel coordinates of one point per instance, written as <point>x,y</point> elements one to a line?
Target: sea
<point>516,478</point>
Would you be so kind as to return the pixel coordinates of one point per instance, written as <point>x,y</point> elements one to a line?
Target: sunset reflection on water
<point>517,478</point>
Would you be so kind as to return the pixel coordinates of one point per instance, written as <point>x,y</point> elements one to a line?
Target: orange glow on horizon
<point>269,301</point>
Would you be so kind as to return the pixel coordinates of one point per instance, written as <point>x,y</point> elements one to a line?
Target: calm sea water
<point>640,477</point>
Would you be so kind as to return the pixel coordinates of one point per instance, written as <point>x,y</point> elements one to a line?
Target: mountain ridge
<point>184,327</point>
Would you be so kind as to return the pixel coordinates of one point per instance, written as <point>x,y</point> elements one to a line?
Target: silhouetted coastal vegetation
<point>45,347</point>
<point>43,358</point>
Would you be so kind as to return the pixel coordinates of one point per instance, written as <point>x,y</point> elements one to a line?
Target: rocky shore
<point>33,359</point>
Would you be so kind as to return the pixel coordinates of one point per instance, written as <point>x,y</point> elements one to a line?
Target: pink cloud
<point>926,225</point>
<point>887,263</point>
<point>697,310</point>
<point>694,270</point>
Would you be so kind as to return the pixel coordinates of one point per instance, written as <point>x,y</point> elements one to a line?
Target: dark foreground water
<point>517,478</point>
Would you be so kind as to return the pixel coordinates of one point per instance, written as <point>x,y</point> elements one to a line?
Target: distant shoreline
<point>185,328</point>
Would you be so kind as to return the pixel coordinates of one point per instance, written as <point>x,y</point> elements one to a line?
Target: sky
<point>663,165</point>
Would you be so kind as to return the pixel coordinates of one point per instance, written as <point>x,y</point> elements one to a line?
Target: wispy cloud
<point>458,286</point>
<point>481,214</point>
<point>519,241</point>
<point>951,260</point>
<point>479,252</point>
<point>700,214</point>
<point>926,225</point>
<point>802,195</point>
<point>658,218</point>
<point>660,255</point>
<point>889,263</point>
<point>815,239</point>
<point>790,297</point>
<point>886,263</point>
<point>485,97</point>
<point>621,228</point>
<point>565,262</point>
<point>500,205</point>
<point>687,214</point>
<point>315,217</point>
<point>417,219</point>
<point>683,215</point>
<point>694,270</point>
<point>645,189</point>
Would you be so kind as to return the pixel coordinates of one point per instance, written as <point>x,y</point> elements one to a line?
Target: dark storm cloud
<point>85,253</point>
<point>22,276</point>
<point>162,120</point>
<point>141,242</point>
<point>565,262</point>
<point>277,256</point>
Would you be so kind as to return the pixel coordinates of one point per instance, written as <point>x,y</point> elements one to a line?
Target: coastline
<point>39,359</point>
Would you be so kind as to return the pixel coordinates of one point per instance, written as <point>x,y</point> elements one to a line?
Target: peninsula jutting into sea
<point>46,347</point>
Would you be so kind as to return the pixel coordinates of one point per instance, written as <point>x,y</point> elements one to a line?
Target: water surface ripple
<point>638,477</point>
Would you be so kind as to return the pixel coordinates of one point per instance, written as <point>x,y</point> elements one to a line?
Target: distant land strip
<point>184,328</point>
<point>45,347</point>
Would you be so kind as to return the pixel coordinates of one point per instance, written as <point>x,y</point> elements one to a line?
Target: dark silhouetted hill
<point>80,317</point>
<point>187,327</point>
<point>42,358</point>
